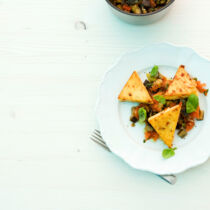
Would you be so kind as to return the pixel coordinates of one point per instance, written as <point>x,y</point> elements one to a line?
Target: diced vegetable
<point>133,119</point>
<point>201,88</point>
<point>151,135</point>
<point>170,103</point>
<point>156,107</point>
<point>157,85</point>
<point>142,115</point>
<point>146,3</point>
<point>189,125</point>
<point>152,3</point>
<point>165,82</point>
<point>134,114</point>
<point>195,114</point>
<point>147,84</point>
<point>148,128</point>
<point>127,8</point>
<point>144,11</point>
<point>120,6</point>
<point>201,115</point>
<point>135,9</point>
<point>182,133</point>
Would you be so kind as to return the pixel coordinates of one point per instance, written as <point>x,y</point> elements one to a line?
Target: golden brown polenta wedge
<point>165,123</point>
<point>182,85</point>
<point>135,91</point>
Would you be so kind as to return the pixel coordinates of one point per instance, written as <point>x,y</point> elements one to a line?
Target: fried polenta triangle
<point>182,85</point>
<point>165,123</point>
<point>135,91</point>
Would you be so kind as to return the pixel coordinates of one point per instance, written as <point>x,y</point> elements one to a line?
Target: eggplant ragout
<point>139,6</point>
<point>157,84</point>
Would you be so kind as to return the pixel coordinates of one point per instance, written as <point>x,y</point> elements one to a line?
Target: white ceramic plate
<point>113,116</point>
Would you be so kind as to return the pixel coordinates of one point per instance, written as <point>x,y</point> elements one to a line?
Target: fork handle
<point>171,179</point>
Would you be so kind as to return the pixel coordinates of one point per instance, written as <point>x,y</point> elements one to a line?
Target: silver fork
<point>97,138</point>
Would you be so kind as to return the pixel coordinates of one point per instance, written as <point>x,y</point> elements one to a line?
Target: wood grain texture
<point>49,77</point>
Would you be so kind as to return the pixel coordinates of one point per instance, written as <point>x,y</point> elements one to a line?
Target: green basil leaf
<point>154,71</point>
<point>151,79</point>
<point>142,115</point>
<point>190,108</point>
<point>206,92</point>
<point>192,103</point>
<point>168,153</point>
<point>160,99</point>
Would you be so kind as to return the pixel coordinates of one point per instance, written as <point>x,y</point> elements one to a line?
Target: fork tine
<point>97,130</point>
<point>98,133</point>
<point>98,138</point>
<point>100,143</point>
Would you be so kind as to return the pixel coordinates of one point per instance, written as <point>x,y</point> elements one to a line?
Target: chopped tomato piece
<point>147,135</point>
<point>156,107</point>
<point>200,87</point>
<point>166,81</point>
<point>152,3</point>
<point>156,85</point>
<point>151,135</point>
<point>195,114</point>
<point>155,136</point>
<point>126,8</point>
<point>172,104</point>
<point>190,125</point>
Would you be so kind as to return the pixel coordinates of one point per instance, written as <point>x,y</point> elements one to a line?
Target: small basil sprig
<point>206,92</point>
<point>154,71</point>
<point>142,115</point>
<point>160,99</point>
<point>192,103</point>
<point>168,153</point>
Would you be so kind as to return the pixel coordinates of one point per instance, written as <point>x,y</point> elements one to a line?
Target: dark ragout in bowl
<point>140,6</point>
